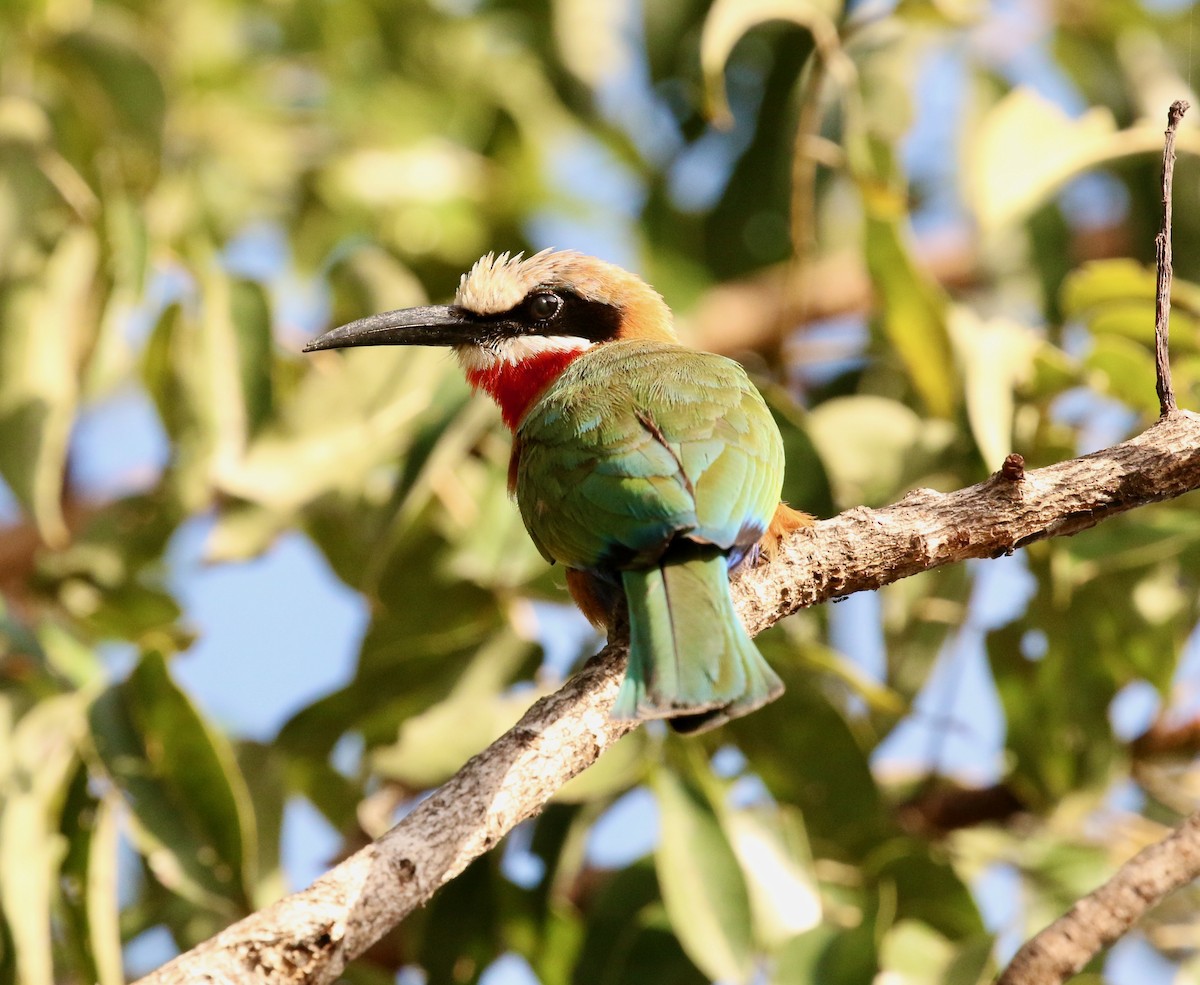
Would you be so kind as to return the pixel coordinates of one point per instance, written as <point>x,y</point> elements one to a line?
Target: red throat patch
<point>515,387</point>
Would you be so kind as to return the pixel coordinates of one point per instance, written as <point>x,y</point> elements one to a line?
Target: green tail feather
<point>690,659</point>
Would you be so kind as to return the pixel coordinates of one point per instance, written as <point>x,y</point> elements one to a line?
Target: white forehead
<point>499,283</point>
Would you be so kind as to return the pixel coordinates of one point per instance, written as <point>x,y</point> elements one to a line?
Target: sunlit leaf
<point>913,316</point>
<point>1028,146</point>
<point>103,905</point>
<point>806,484</point>
<point>347,418</point>
<point>872,446</point>
<point>702,884</point>
<point>878,696</point>
<point>1125,370</point>
<point>264,769</point>
<point>729,20</point>
<point>797,962</point>
<point>35,779</point>
<point>44,329</point>
<point>435,743</point>
<point>193,814</point>
<point>772,850</point>
<point>943,12</point>
<point>913,953</point>
<point>1118,297</point>
<point>997,357</point>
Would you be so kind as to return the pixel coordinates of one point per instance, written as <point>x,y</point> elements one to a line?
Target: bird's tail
<point>690,659</point>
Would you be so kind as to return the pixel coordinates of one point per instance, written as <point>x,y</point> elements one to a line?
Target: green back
<point>640,441</point>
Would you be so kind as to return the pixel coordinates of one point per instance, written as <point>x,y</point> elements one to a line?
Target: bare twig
<point>1101,917</point>
<point>1162,249</point>
<point>311,935</point>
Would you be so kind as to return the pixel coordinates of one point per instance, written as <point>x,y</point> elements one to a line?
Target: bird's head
<point>516,323</point>
<point>508,309</point>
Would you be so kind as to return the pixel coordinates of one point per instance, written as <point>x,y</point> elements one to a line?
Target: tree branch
<point>1162,249</point>
<point>1063,948</point>
<point>311,935</point>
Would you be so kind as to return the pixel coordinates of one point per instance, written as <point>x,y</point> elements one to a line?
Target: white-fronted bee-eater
<point>650,471</point>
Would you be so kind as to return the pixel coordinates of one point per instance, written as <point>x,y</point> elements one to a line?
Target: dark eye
<point>544,306</point>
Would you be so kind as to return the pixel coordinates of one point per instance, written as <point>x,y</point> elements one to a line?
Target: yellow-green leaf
<point>727,23</point>
<point>44,753</point>
<point>702,884</point>
<point>997,356</point>
<point>1027,146</point>
<point>40,340</point>
<point>913,316</point>
<point>772,850</point>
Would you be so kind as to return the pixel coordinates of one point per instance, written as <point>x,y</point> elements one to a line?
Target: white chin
<point>516,350</point>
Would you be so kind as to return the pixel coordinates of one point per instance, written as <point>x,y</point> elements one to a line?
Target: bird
<point>650,471</point>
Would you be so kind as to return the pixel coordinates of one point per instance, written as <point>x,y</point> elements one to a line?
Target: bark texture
<point>311,935</point>
<point>1063,948</point>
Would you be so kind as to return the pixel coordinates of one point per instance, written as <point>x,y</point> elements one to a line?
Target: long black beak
<point>435,324</point>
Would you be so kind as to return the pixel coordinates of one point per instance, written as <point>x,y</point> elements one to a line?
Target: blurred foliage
<point>191,188</point>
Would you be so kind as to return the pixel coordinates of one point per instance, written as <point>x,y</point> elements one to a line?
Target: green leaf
<point>804,750</point>
<point>628,940</point>
<point>208,371</point>
<point>264,770</point>
<point>428,626</point>
<point>943,13</point>
<point>927,888</point>
<point>103,906</point>
<point>250,315</point>
<point>798,961</point>
<point>913,313</point>
<point>1123,369</point>
<point>493,546</point>
<point>878,697</point>
<point>349,418</point>
<point>806,484</point>
<point>972,963</point>
<point>997,357</point>
<point>772,849</point>
<point>1117,297</point>
<point>434,744</point>
<point>828,957</point>
<point>728,21</point>
<point>873,446</point>
<point>36,774</point>
<point>193,815</point>
<point>460,936</point>
<point>1028,146</point>
<point>702,885</point>
<point>41,338</point>
<point>1105,282</point>
<point>913,953</point>
<point>127,93</point>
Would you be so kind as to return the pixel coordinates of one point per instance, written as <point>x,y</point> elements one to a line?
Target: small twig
<point>1101,917</point>
<point>1162,249</point>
